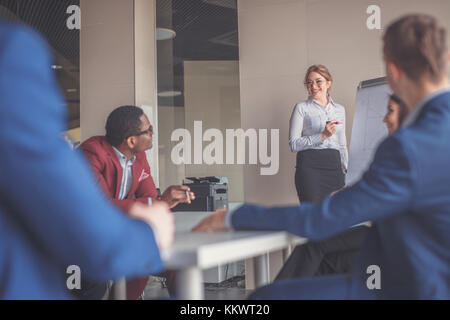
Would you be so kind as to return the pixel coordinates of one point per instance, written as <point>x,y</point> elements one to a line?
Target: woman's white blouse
<point>308,120</point>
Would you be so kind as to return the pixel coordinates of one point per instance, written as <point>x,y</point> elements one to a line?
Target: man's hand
<point>177,194</point>
<point>215,222</point>
<point>160,219</point>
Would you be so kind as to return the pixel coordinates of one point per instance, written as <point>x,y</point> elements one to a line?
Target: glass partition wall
<point>198,90</point>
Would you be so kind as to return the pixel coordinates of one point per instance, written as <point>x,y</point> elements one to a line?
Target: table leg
<point>189,284</point>
<point>287,252</point>
<point>261,270</point>
<point>120,289</point>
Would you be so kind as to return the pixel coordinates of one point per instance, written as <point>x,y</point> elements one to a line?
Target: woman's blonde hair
<point>320,69</point>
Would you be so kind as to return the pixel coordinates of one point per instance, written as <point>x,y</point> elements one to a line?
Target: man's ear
<point>131,142</point>
<point>394,71</point>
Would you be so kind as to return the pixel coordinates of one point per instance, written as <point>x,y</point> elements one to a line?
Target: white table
<point>194,252</point>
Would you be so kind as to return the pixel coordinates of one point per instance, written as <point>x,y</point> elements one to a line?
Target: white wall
<point>272,56</point>
<point>117,64</point>
<point>211,91</point>
<point>106,61</point>
<point>279,39</point>
<point>145,73</point>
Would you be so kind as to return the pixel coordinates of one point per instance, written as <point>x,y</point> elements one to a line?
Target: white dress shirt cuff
<point>316,139</point>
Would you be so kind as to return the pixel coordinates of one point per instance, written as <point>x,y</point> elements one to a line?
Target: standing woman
<point>317,134</point>
<point>338,254</point>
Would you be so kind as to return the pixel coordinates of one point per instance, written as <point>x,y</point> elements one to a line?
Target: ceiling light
<point>56,67</point>
<point>165,34</point>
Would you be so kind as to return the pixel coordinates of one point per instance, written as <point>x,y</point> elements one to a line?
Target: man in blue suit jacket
<point>405,191</point>
<point>52,215</point>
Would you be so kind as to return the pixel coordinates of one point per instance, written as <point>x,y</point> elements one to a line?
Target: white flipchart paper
<point>368,129</point>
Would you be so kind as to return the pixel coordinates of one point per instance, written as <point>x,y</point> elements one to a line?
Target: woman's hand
<point>330,129</point>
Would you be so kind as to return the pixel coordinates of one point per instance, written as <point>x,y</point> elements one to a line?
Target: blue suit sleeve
<point>386,189</point>
<point>47,187</point>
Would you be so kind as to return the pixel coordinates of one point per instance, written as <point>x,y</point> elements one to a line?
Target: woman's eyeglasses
<point>318,82</point>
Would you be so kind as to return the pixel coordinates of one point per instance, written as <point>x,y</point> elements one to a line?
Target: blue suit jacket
<point>52,215</point>
<point>406,193</point>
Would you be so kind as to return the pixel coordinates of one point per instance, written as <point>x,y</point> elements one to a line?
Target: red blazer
<point>108,172</point>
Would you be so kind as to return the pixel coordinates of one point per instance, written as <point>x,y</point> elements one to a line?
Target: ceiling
<point>49,18</point>
<point>200,25</point>
<point>205,30</point>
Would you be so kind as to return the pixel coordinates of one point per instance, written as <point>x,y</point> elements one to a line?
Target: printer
<point>211,193</point>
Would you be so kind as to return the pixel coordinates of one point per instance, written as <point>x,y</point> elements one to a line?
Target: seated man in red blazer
<point>120,166</point>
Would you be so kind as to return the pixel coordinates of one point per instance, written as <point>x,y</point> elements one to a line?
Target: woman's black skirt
<point>318,173</point>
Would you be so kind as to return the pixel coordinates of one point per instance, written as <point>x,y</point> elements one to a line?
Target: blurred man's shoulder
<point>10,30</point>
<point>20,40</point>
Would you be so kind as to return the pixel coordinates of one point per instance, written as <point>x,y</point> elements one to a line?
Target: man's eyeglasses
<point>148,131</point>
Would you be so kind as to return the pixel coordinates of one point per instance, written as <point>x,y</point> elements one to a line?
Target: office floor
<point>231,289</point>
